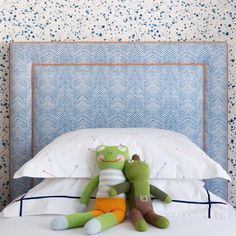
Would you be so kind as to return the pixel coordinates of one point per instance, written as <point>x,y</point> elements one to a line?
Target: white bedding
<point>40,226</point>
<point>61,196</point>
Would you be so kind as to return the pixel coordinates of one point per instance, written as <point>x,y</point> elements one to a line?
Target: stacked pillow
<point>177,166</point>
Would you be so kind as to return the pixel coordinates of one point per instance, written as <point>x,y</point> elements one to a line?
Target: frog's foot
<point>103,222</point>
<point>59,223</point>
<point>140,225</point>
<point>157,220</point>
<point>162,222</point>
<point>93,227</point>
<point>137,220</point>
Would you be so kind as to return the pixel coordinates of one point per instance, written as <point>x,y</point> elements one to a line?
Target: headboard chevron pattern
<point>117,95</point>
<point>60,87</point>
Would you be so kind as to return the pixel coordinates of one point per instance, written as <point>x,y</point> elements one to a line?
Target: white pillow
<point>170,154</point>
<point>61,196</point>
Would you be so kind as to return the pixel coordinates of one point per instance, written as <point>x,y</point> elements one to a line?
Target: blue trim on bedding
<point>21,205</point>
<point>54,196</point>
<point>195,202</point>
<point>153,198</point>
<point>209,201</point>
<point>202,203</point>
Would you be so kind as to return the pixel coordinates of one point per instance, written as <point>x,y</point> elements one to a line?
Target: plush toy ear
<point>100,148</point>
<point>135,157</point>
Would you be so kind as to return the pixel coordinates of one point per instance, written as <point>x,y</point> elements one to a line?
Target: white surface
<point>184,190</point>
<point>169,154</point>
<point>39,226</point>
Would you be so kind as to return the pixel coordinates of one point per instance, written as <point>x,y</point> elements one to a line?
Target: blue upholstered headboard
<point>59,87</point>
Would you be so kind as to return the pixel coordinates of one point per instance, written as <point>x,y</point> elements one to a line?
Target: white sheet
<point>39,226</point>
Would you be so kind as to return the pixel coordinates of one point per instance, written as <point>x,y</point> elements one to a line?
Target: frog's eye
<point>122,148</point>
<point>100,148</point>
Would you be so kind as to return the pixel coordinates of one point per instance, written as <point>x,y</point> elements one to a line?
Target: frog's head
<point>112,157</point>
<point>136,169</point>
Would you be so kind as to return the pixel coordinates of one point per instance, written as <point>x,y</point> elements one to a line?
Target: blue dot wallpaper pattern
<point>120,20</point>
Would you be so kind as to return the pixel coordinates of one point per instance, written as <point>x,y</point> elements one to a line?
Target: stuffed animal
<point>107,211</point>
<point>138,188</point>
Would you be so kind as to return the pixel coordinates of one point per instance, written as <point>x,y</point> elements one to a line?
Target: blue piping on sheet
<point>209,202</point>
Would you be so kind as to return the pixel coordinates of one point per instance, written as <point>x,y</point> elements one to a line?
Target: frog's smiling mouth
<point>118,158</point>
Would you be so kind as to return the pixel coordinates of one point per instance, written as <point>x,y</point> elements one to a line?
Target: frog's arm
<point>118,189</point>
<point>86,194</point>
<point>161,195</point>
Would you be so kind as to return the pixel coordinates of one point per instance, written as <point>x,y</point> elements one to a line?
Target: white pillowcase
<point>61,196</point>
<point>170,154</point>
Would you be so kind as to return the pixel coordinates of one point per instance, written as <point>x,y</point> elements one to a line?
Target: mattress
<point>40,226</point>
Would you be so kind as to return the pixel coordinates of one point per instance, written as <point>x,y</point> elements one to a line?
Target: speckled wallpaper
<point>120,20</point>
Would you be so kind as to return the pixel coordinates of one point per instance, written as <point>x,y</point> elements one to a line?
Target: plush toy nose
<point>135,157</point>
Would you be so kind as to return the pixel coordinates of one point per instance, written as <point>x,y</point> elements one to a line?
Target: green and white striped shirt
<point>107,179</point>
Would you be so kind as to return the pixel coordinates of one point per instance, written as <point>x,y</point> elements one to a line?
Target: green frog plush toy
<point>138,188</point>
<point>107,211</point>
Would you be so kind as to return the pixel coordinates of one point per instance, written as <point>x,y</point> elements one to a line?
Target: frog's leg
<point>137,220</point>
<point>74,220</point>
<point>105,221</point>
<point>157,220</point>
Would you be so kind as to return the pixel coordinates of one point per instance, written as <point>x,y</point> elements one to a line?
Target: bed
<point>61,87</point>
